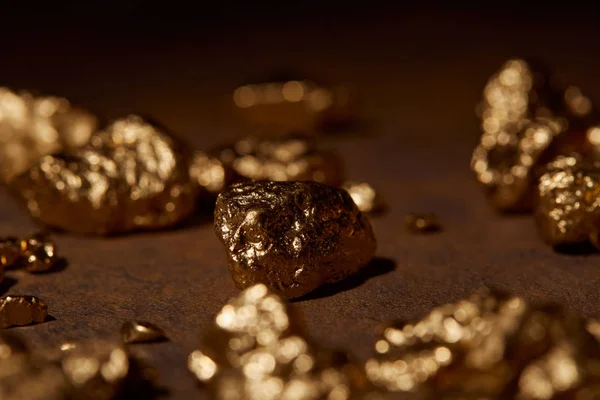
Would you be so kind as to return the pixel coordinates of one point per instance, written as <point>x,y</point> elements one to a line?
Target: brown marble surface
<point>419,73</point>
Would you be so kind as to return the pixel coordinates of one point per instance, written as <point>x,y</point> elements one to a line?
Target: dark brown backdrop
<point>420,71</point>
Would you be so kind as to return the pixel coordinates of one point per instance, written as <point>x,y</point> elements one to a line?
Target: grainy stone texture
<point>292,236</point>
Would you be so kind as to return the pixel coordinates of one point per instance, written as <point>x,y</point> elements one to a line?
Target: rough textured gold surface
<point>367,199</point>
<point>290,158</point>
<point>257,352</point>
<point>492,347</point>
<point>527,121</point>
<point>21,310</point>
<point>568,201</point>
<point>141,331</point>
<point>131,176</point>
<point>292,236</point>
<point>284,103</point>
<point>422,223</point>
<point>32,126</point>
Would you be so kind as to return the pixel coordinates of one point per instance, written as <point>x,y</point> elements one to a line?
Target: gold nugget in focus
<point>526,121</point>
<point>422,223</point>
<point>131,176</point>
<point>141,332</point>
<point>22,310</point>
<point>33,126</point>
<point>489,346</point>
<point>257,352</point>
<point>364,195</point>
<point>284,103</point>
<point>568,202</point>
<point>290,158</point>
<point>292,236</point>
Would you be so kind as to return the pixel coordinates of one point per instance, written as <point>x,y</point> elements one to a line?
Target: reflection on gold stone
<point>141,332</point>
<point>32,126</point>
<point>489,346</point>
<point>21,310</point>
<point>257,351</point>
<point>422,223</point>
<point>567,209</point>
<point>292,236</point>
<point>364,195</point>
<point>130,176</point>
<point>288,158</point>
<point>295,104</point>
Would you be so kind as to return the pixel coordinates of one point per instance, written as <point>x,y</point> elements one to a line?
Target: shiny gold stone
<point>131,176</point>
<point>292,236</point>
<point>423,223</point>
<point>289,158</point>
<point>209,174</point>
<point>32,126</point>
<point>257,351</point>
<point>95,369</point>
<point>285,103</point>
<point>491,346</point>
<point>10,251</point>
<point>22,310</point>
<point>36,253</point>
<point>364,195</point>
<point>567,209</point>
<point>526,120</point>
<point>141,332</point>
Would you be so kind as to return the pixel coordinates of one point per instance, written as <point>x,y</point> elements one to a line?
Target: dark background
<point>420,69</point>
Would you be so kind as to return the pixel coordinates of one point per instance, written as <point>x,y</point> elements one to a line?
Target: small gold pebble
<point>22,310</point>
<point>36,253</point>
<point>141,332</point>
<point>367,199</point>
<point>423,223</point>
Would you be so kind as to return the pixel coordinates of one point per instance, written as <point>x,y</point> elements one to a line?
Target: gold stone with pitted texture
<point>292,236</point>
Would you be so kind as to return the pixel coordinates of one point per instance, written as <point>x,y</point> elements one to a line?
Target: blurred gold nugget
<point>141,332</point>
<point>32,126</point>
<point>292,236</point>
<point>209,174</point>
<point>489,346</point>
<point>367,199</point>
<point>289,158</point>
<point>422,223</point>
<point>526,121</point>
<point>257,351</point>
<point>90,370</point>
<point>568,201</point>
<point>36,253</point>
<point>130,176</point>
<point>285,104</point>
<point>22,310</point>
